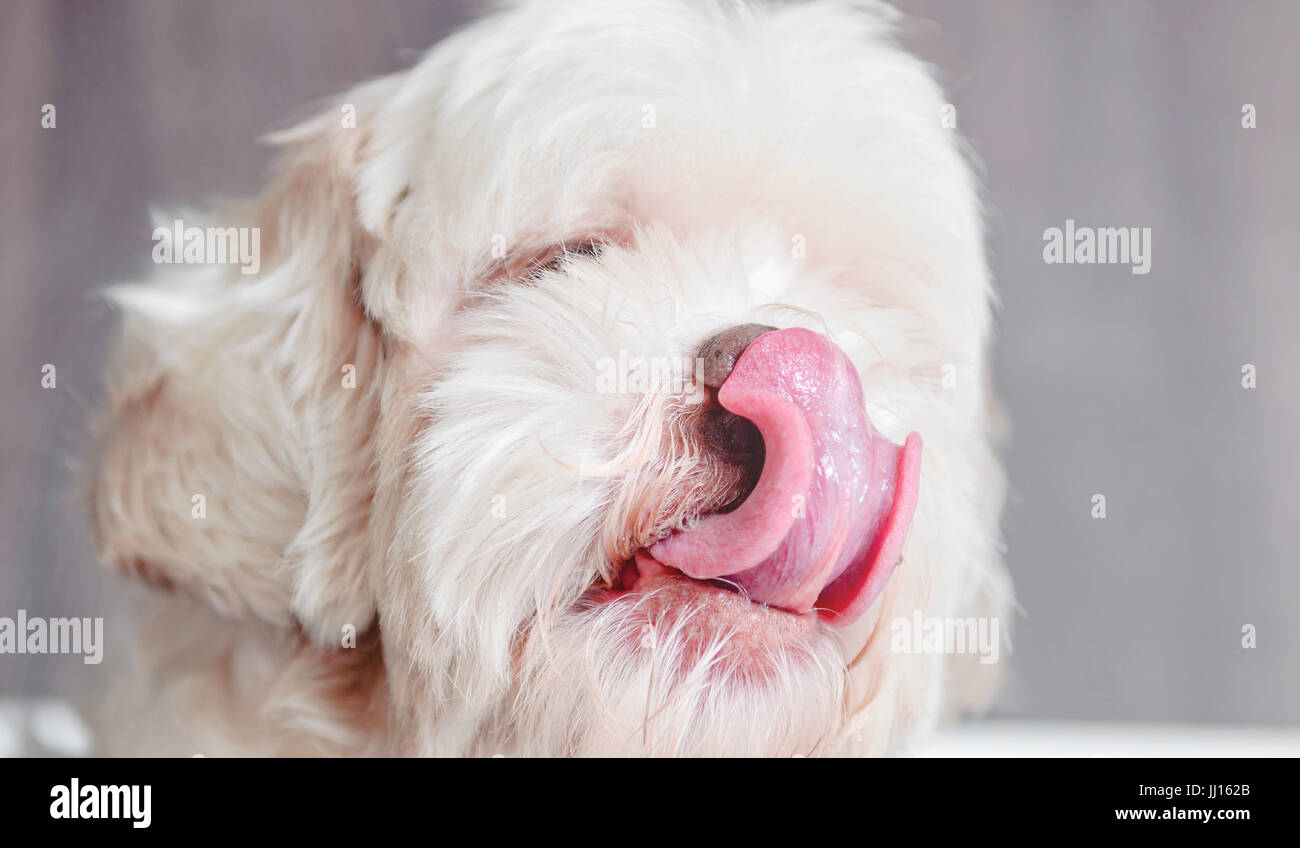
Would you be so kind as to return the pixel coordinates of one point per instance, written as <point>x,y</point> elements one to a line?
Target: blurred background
<point>1114,114</point>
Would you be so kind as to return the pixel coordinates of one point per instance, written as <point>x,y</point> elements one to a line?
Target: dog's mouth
<point>822,526</point>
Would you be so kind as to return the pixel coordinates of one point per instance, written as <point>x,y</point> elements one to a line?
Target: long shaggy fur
<point>463,507</point>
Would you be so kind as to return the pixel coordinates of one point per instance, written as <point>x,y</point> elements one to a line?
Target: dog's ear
<point>233,460</point>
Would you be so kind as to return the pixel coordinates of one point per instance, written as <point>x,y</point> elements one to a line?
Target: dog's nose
<point>728,437</point>
<point>720,352</point>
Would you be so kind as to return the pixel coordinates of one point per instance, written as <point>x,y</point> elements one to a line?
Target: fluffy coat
<point>405,565</point>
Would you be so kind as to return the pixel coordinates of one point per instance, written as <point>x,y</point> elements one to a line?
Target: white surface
<point>1082,739</point>
<point>36,727</point>
<point>50,727</point>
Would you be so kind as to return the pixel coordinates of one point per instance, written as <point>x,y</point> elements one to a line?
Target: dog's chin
<point>667,664</point>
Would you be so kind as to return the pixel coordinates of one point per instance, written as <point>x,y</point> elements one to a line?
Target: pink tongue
<point>825,525</point>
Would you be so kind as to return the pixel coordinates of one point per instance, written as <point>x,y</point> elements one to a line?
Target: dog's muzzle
<point>824,525</point>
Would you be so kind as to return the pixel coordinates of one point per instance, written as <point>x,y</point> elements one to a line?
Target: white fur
<point>373,508</point>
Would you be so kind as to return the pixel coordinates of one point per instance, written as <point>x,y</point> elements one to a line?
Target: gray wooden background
<point>1110,113</point>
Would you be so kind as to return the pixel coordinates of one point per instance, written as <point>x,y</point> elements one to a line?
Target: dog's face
<point>620,365</point>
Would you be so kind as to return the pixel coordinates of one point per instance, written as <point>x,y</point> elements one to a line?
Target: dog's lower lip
<point>643,571</point>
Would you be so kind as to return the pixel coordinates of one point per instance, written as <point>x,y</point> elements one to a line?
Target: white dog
<point>612,381</point>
